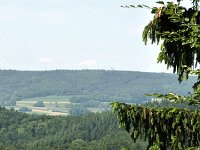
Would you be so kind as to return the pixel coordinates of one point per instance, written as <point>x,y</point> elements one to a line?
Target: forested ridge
<point>101,85</point>
<point>40,132</point>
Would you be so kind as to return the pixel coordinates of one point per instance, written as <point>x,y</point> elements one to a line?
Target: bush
<point>39,104</point>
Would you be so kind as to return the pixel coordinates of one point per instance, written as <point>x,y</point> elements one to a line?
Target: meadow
<point>55,105</point>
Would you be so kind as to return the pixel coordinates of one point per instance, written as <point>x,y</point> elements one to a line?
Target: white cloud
<point>45,60</point>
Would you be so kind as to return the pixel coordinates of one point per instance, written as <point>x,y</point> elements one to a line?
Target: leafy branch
<point>178,28</point>
<point>166,127</point>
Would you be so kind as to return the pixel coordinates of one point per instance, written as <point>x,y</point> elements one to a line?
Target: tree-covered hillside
<point>97,85</point>
<point>20,131</point>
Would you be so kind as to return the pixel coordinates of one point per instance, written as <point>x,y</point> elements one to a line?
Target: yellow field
<point>47,112</point>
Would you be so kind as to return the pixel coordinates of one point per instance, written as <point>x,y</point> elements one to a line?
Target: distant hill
<point>100,85</point>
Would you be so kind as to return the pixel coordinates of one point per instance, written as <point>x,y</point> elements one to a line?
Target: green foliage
<point>166,127</point>
<point>77,111</point>
<point>192,99</point>
<point>178,28</point>
<point>20,131</point>
<point>39,104</point>
<point>25,109</point>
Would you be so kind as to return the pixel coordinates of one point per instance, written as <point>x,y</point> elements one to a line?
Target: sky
<point>75,34</point>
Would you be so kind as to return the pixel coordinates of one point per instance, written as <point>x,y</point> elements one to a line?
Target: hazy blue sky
<point>75,34</point>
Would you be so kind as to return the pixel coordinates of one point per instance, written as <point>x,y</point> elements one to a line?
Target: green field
<point>56,105</point>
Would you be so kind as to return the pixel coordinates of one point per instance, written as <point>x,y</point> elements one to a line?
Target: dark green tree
<point>39,104</point>
<point>177,28</point>
<point>77,111</point>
